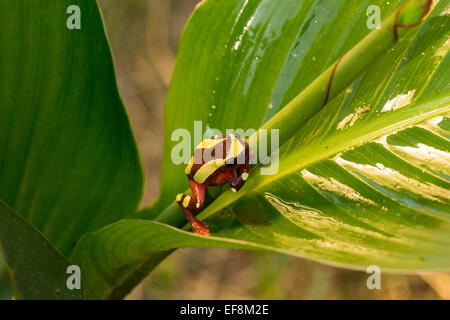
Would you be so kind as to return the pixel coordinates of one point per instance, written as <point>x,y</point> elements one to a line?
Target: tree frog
<point>215,161</point>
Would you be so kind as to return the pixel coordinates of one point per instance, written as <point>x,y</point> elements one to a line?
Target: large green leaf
<point>69,161</point>
<point>256,56</point>
<point>365,182</point>
<point>117,257</point>
<point>38,270</point>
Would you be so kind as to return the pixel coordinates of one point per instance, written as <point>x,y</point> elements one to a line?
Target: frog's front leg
<point>193,203</point>
<point>237,181</point>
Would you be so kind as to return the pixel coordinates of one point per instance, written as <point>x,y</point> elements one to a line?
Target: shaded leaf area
<point>35,265</point>
<point>117,257</point>
<point>69,155</point>
<point>255,57</point>
<point>365,182</point>
<point>5,281</point>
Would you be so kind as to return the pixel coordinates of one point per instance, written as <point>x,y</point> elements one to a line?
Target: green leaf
<point>255,58</point>
<point>346,192</point>
<point>38,270</point>
<point>69,158</point>
<point>125,252</point>
<point>364,182</point>
<point>6,292</point>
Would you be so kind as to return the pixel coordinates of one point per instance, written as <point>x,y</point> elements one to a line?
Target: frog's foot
<point>198,227</point>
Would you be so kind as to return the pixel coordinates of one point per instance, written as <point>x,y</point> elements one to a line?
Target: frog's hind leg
<point>199,227</point>
<point>194,203</point>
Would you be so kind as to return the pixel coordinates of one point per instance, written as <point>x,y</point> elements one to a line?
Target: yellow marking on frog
<point>208,169</point>
<point>211,166</point>
<point>209,143</point>
<point>189,166</point>
<point>245,176</point>
<point>179,196</point>
<point>197,205</point>
<point>219,162</point>
<point>186,201</point>
<point>236,148</point>
<point>205,144</point>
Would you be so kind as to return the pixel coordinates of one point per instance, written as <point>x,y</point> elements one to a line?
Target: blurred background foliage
<point>144,36</point>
